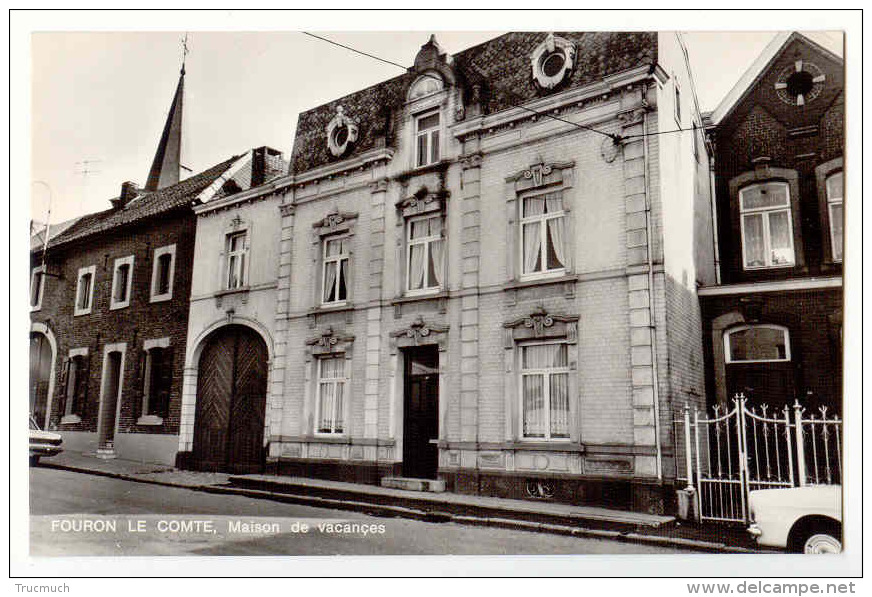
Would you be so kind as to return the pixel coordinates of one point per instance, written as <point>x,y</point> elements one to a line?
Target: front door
<point>421,413</point>
<point>231,402</point>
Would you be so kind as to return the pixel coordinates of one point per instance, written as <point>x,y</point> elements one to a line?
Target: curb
<point>372,509</point>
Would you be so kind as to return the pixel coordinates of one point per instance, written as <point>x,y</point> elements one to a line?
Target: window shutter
<point>164,382</point>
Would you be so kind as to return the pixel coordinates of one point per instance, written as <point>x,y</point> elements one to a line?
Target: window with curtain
<point>335,274</point>
<point>235,260</point>
<point>543,234</point>
<point>545,391</point>
<point>331,394</point>
<point>835,197</point>
<point>426,259</point>
<point>427,138</point>
<point>766,224</point>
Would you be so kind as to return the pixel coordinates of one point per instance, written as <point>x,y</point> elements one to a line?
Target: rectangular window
<point>426,260</point>
<point>85,290</point>
<point>545,391</point>
<point>235,260</point>
<point>162,273</point>
<point>543,234</point>
<point>335,270</point>
<point>767,229</point>
<point>427,138</point>
<point>122,279</point>
<point>835,200</point>
<point>157,382</point>
<point>76,384</point>
<point>37,283</point>
<point>331,394</point>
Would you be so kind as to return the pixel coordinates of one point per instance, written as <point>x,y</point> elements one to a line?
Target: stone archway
<point>43,353</point>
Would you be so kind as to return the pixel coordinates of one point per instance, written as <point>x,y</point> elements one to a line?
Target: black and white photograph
<point>571,291</point>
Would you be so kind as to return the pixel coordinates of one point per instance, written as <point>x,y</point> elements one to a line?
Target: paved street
<point>79,514</point>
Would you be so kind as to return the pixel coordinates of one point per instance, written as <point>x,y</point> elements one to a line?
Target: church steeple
<point>166,165</point>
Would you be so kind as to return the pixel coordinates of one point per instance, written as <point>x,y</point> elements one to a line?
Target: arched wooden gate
<point>231,402</point>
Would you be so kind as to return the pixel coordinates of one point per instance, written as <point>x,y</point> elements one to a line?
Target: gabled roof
<point>37,239</point>
<point>144,206</point>
<point>759,68</point>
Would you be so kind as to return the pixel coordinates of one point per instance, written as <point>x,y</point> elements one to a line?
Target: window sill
<point>436,293</point>
<point>149,420</point>
<point>70,420</point>
<point>228,291</point>
<point>117,306</point>
<point>440,166</point>
<point>160,298</point>
<point>80,313</point>
<point>330,308</point>
<point>529,282</point>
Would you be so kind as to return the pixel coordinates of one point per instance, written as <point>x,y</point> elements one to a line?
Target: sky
<point>99,98</point>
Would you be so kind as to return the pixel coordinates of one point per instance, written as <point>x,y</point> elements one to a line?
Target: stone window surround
<point>434,102</point>
<point>235,226</point>
<point>738,328</point>
<point>329,343</point>
<point>766,173</point>
<point>71,417</point>
<point>115,304</point>
<point>540,327</point>
<point>822,172</point>
<point>336,224</point>
<point>83,271</point>
<point>551,45</point>
<point>147,346</point>
<point>422,203</point>
<point>38,270</point>
<point>156,255</point>
<point>540,178</point>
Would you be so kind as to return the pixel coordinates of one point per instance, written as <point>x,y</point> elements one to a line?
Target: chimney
<point>258,166</point>
<point>129,191</point>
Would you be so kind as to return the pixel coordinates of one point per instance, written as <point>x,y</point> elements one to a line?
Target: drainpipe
<point>652,326</point>
<point>714,207</point>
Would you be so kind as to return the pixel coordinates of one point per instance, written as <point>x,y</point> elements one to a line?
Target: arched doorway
<point>231,402</point>
<point>41,360</point>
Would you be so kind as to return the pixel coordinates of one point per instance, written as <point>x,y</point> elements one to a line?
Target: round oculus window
<point>340,135</point>
<point>553,63</point>
<point>799,83</point>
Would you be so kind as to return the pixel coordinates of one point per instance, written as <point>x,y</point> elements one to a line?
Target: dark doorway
<point>40,375</point>
<point>109,399</point>
<point>421,413</point>
<point>762,383</point>
<point>231,402</point>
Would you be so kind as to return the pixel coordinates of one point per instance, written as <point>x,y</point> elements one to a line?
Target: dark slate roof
<point>144,206</point>
<point>502,64</point>
<point>275,167</point>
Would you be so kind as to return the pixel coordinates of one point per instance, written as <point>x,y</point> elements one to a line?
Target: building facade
<point>474,281</point>
<point>773,323</point>
<point>231,324</point>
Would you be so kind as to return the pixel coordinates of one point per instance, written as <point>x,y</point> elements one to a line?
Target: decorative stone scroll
<point>335,222</point>
<point>329,342</point>
<point>420,333</point>
<point>542,174</point>
<point>423,201</point>
<point>541,325</point>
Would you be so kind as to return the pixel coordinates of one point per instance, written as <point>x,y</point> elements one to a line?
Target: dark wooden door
<point>40,374</point>
<point>421,413</point>
<point>231,402</point>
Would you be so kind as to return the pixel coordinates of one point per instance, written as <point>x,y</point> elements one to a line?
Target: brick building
<point>773,323</point>
<point>474,279</point>
<point>109,311</point>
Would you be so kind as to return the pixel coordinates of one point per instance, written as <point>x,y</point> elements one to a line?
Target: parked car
<point>799,519</point>
<point>43,443</point>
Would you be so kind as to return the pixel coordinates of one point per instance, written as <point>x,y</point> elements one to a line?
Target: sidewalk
<point>538,516</point>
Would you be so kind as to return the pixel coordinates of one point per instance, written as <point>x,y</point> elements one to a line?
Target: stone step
<point>411,484</point>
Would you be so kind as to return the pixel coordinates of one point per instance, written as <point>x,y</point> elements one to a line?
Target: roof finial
<point>184,51</point>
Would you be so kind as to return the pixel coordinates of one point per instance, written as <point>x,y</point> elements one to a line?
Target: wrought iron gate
<point>742,449</point>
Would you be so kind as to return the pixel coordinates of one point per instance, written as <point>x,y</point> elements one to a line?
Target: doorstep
<point>412,484</point>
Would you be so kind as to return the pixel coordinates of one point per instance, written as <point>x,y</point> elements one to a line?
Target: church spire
<point>166,165</point>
